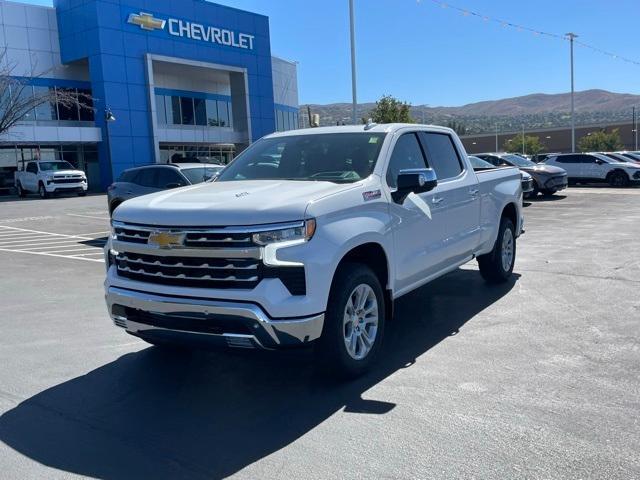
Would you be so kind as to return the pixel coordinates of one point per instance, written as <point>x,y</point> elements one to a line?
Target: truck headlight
<point>287,233</point>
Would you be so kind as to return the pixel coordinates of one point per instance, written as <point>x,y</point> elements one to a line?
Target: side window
<point>146,178</point>
<point>167,175</point>
<point>32,168</point>
<point>586,159</point>
<point>442,155</point>
<point>406,154</point>
<point>127,176</point>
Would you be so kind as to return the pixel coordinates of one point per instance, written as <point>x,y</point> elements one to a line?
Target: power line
<point>522,28</point>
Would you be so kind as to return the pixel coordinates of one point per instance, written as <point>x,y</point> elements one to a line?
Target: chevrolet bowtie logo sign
<point>166,239</point>
<point>193,30</point>
<point>146,21</point>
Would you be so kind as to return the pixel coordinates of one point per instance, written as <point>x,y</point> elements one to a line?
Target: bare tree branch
<point>18,98</point>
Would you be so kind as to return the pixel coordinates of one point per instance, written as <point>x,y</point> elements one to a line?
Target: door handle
<point>474,192</point>
<point>437,200</point>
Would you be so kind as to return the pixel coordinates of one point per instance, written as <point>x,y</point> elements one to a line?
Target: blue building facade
<point>169,79</point>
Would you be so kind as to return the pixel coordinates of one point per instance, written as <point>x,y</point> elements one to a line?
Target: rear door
<point>570,163</point>
<point>458,191</point>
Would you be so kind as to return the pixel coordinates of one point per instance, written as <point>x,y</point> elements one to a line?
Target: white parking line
<point>59,245</point>
<point>88,216</point>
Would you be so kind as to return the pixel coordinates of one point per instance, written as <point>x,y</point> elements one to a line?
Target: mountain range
<point>535,111</point>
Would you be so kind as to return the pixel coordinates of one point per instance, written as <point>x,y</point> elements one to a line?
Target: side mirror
<point>599,162</point>
<point>414,180</point>
<point>172,185</point>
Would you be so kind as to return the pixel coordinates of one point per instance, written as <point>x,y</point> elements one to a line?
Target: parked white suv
<point>309,236</point>
<point>50,177</point>
<point>595,167</point>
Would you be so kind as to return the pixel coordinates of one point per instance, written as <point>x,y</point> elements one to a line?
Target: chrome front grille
<point>190,271</point>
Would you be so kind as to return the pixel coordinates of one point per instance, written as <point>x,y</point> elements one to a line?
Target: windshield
<point>200,174</point>
<point>330,157</point>
<point>55,166</point>
<point>479,163</point>
<point>517,160</point>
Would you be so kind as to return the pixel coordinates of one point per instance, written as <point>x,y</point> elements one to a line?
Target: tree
<point>391,110</point>
<point>601,141</point>
<point>532,145</point>
<point>459,128</point>
<point>18,99</point>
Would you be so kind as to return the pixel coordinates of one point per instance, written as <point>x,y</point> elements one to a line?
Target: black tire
<point>334,357</point>
<point>618,179</point>
<point>536,190</point>
<point>491,265</point>
<point>42,191</point>
<point>82,193</point>
<point>113,207</point>
<point>548,193</point>
<point>20,191</point>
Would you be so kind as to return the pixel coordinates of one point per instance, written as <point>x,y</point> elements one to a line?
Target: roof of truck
<point>369,128</point>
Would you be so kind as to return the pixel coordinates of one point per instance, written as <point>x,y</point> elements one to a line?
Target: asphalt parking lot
<point>538,378</point>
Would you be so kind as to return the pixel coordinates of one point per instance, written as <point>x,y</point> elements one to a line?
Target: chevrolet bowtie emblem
<point>166,239</point>
<point>146,21</point>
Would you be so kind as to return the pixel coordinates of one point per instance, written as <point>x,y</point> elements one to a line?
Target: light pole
<point>353,64</point>
<point>635,127</point>
<point>523,139</point>
<point>108,118</point>
<point>571,37</point>
<point>496,137</point>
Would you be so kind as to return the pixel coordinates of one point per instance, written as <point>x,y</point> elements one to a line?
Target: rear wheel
<point>82,193</point>
<point>42,191</point>
<point>548,193</point>
<point>21,192</point>
<point>354,322</point>
<point>618,179</point>
<point>497,265</point>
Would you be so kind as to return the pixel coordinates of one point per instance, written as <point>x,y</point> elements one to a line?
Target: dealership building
<point>168,81</point>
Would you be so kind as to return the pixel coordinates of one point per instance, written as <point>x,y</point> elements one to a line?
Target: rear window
<point>442,155</point>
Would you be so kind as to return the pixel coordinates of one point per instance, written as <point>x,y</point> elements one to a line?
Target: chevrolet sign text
<point>205,33</point>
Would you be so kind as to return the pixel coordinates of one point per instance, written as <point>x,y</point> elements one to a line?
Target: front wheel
<point>354,322</point>
<point>497,265</point>
<point>42,191</point>
<point>82,193</point>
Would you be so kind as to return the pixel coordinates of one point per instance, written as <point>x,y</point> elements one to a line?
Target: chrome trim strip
<point>145,249</point>
<point>302,330</point>
<point>188,230</point>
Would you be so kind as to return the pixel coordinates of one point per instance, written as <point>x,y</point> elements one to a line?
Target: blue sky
<point>426,54</point>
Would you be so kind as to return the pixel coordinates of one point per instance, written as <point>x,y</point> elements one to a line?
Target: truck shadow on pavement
<point>151,414</point>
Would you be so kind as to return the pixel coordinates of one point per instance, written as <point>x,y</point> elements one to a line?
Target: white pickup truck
<point>48,177</point>
<point>309,236</point>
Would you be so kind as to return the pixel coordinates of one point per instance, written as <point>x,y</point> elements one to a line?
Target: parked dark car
<point>546,179</point>
<point>541,157</point>
<point>479,165</point>
<point>154,178</point>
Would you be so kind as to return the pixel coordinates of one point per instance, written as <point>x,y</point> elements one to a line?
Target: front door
<point>419,223</point>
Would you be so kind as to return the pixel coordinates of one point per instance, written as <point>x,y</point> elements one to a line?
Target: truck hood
<point>541,168</point>
<point>238,203</point>
<point>63,173</point>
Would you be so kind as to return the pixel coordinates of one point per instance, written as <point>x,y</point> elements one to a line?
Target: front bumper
<point>196,320</point>
<point>66,187</point>
<point>557,183</point>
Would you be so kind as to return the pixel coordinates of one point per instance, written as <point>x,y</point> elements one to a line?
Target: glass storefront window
<point>212,113</point>
<point>200,107</point>
<point>161,111</point>
<point>85,104</point>
<point>188,117</point>
<point>223,114</point>
<point>175,108</point>
<point>68,111</point>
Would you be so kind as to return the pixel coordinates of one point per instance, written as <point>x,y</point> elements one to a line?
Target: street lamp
<point>571,37</point>
<point>353,64</point>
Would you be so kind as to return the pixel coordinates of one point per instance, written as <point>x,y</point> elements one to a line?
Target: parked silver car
<point>153,178</point>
